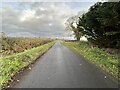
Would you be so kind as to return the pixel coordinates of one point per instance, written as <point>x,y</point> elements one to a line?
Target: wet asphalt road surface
<point>62,68</point>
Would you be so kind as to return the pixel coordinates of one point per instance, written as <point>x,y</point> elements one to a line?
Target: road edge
<point>16,78</point>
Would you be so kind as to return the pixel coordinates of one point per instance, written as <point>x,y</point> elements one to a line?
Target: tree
<point>71,22</point>
<point>102,24</point>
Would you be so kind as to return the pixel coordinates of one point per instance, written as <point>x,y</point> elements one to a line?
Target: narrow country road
<point>63,68</point>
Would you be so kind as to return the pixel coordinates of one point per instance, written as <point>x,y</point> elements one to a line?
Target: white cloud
<point>37,19</point>
<point>42,9</point>
<point>27,15</point>
<point>50,24</point>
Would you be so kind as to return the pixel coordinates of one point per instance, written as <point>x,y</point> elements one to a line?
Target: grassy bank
<point>107,62</point>
<point>10,65</point>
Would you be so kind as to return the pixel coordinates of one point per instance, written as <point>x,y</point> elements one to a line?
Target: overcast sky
<point>39,19</point>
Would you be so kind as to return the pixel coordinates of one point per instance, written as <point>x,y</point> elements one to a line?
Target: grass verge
<point>10,65</point>
<point>107,62</point>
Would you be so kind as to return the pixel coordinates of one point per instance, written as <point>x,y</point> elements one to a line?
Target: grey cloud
<point>36,19</point>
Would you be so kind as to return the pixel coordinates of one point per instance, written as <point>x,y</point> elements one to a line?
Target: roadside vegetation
<point>17,53</point>
<point>101,27</point>
<point>13,45</point>
<point>10,65</point>
<point>99,57</point>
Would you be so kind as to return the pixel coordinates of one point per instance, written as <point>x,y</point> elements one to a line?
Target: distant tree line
<point>100,25</point>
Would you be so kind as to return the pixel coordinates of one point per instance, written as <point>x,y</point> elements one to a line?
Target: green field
<point>101,58</point>
<point>10,65</point>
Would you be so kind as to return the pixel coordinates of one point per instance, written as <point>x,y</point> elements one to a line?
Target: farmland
<point>16,45</point>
